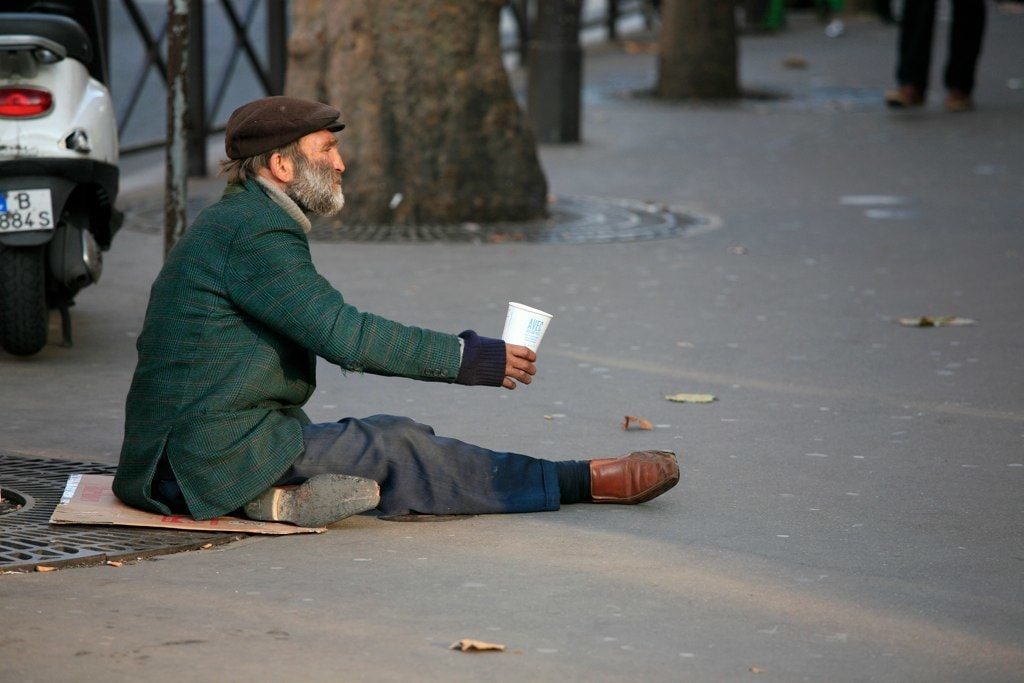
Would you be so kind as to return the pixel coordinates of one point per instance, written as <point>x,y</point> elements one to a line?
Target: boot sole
<point>319,501</point>
<point>653,493</point>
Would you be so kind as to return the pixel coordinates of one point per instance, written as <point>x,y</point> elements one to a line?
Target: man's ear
<point>281,168</point>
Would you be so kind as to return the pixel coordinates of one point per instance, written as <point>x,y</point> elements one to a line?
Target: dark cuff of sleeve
<point>483,360</point>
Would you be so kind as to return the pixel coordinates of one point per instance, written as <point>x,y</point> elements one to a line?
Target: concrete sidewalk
<point>850,506</point>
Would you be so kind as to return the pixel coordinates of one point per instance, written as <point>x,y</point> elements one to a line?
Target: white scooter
<point>58,164</point>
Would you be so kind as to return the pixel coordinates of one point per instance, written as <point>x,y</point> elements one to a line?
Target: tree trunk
<point>434,133</point>
<point>699,54</point>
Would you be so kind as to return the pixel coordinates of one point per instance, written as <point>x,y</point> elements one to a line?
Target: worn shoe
<point>905,97</point>
<point>634,478</point>
<point>320,500</point>
<point>959,101</point>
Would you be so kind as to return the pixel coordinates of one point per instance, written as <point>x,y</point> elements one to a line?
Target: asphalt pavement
<point>850,507</point>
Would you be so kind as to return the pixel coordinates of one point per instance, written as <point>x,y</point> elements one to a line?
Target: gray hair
<point>240,170</point>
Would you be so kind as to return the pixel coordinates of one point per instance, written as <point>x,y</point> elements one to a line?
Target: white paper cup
<point>525,326</point>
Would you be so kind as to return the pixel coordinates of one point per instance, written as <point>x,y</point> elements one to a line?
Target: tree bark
<point>434,133</point>
<point>699,54</point>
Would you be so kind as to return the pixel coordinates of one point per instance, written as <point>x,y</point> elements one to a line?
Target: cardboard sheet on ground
<point>88,499</point>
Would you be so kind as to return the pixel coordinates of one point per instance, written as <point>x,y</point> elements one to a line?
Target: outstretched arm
<point>492,362</point>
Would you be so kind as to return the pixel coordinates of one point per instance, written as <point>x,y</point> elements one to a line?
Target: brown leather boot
<point>634,478</point>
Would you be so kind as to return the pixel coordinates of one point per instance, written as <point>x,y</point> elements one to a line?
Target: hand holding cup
<point>524,328</point>
<point>519,365</point>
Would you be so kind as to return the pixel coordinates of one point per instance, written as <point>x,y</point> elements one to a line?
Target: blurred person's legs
<point>883,8</point>
<point>915,49</point>
<point>831,11</point>
<point>917,27</point>
<point>774,15</point>
<point>965,35</point>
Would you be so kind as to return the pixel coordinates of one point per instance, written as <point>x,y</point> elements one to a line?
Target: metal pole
<point>613,20</point>
<point>555,72</point>
<point>195,87</point>
<point>277,39</point>
<point>176,176</point>
<point>522,15</point>
<point>103,17</point>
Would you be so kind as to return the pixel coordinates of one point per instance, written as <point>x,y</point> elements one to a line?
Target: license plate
<point>24,210</point>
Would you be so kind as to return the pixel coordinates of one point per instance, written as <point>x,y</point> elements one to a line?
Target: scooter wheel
<point>24,315</point>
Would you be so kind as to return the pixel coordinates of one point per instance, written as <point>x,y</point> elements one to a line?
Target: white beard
<point>313,188</point>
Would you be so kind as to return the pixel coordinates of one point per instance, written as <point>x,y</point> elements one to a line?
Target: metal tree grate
<point>28,540</point>
<point>571,220</point>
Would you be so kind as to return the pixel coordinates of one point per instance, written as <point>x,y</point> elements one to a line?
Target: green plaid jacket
<point>227,356</point>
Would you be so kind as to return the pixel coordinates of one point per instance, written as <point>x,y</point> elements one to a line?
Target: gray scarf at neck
<point>286,203</point>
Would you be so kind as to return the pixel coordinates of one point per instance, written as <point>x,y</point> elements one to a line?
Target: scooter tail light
<point>24,102</point>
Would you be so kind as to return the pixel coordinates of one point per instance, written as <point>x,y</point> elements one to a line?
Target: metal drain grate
<point>27,539</point>
<point>572,220</point>
<point>576,220</point>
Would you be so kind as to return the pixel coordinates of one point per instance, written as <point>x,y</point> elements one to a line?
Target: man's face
<point>316,182</point>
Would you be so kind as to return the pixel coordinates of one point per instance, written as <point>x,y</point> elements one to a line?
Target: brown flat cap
<point>272,122</point>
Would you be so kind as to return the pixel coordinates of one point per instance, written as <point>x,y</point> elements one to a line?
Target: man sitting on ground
<point>227,357</point>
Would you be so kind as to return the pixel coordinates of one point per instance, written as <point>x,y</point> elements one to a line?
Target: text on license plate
<point>22,210</point>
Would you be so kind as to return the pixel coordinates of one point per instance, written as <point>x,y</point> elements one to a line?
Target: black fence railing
<point>138,32</point>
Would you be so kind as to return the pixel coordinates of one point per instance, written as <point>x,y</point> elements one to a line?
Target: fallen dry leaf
<point>794,62</point>
<point>690,398</point>
<point>937,321</point>
<point>44,568</point>
<point>637,423</point>
<point>500,237</point>
<point>115,563</point>
<point>206,546</point>
<point>548,417</point>
<point>470,645</point>
<point>633,47</point>
<point>756,670</point>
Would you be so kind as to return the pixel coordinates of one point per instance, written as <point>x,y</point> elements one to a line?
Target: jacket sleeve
<point>270,276</point>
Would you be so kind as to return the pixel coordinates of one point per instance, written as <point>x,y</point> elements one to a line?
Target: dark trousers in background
<point>915,47</point>
<point>420,472</point>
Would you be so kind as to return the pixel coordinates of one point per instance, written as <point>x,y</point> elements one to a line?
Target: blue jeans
<point>420,472</point>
